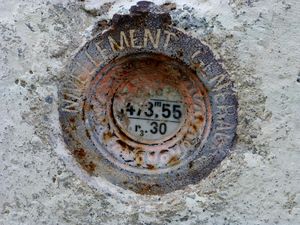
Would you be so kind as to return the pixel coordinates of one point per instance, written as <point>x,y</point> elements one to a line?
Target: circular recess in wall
<point>145,106</point>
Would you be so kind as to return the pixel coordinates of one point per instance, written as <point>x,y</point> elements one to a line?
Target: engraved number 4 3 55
<point>168,110</point>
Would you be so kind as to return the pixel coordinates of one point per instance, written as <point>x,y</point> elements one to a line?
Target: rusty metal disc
<point>146,106</point>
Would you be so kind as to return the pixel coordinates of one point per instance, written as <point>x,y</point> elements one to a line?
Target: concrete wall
<point>258,43</point>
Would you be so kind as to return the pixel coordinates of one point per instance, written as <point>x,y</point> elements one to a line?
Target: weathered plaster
<point>258,43</point>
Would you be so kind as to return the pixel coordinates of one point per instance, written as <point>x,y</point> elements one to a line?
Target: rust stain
<point>196,66</point>
<point>138,156</point>
<point>107,137</point>
<point>103,121</point>
<point>87,134</point>
<point>194,128</point>
<point>174,160</point>
<point>80,153</point>
<point>82,158</point>
<point>90,167</point>
<point>125,146</point>
<point>148,189</point>
<point>164,151</point>
<point>87,107</point>
<point>150,167</point>
<point>200,118</point>
<point>73,127</point>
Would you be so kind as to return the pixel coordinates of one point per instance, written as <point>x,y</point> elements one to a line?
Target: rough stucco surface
<point>258,43</point>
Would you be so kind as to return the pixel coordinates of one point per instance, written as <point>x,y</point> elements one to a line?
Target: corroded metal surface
<point>146,106</point>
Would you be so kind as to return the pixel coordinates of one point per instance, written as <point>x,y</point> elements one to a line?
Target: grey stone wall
<point>258,43</point>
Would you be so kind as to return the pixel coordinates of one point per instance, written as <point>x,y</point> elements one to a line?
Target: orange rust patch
<point>150,167</point>
<point>174,160</point>
<point>200,118</point>
<point>139,160</point>
<point>124,146</point>
<point>87,107</point>
<point>196,66</point>
<point>138,156</point>
<point>148,189</point>
<point>80,153</point>
<point>144,190</point>
<point>195,127</point>
<point>103,121</point>
<point>90,167</point>
<point>107,136</point>
<point>163,151</point>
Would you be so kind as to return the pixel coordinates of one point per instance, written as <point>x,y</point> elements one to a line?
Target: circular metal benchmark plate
<point>145,106</point>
